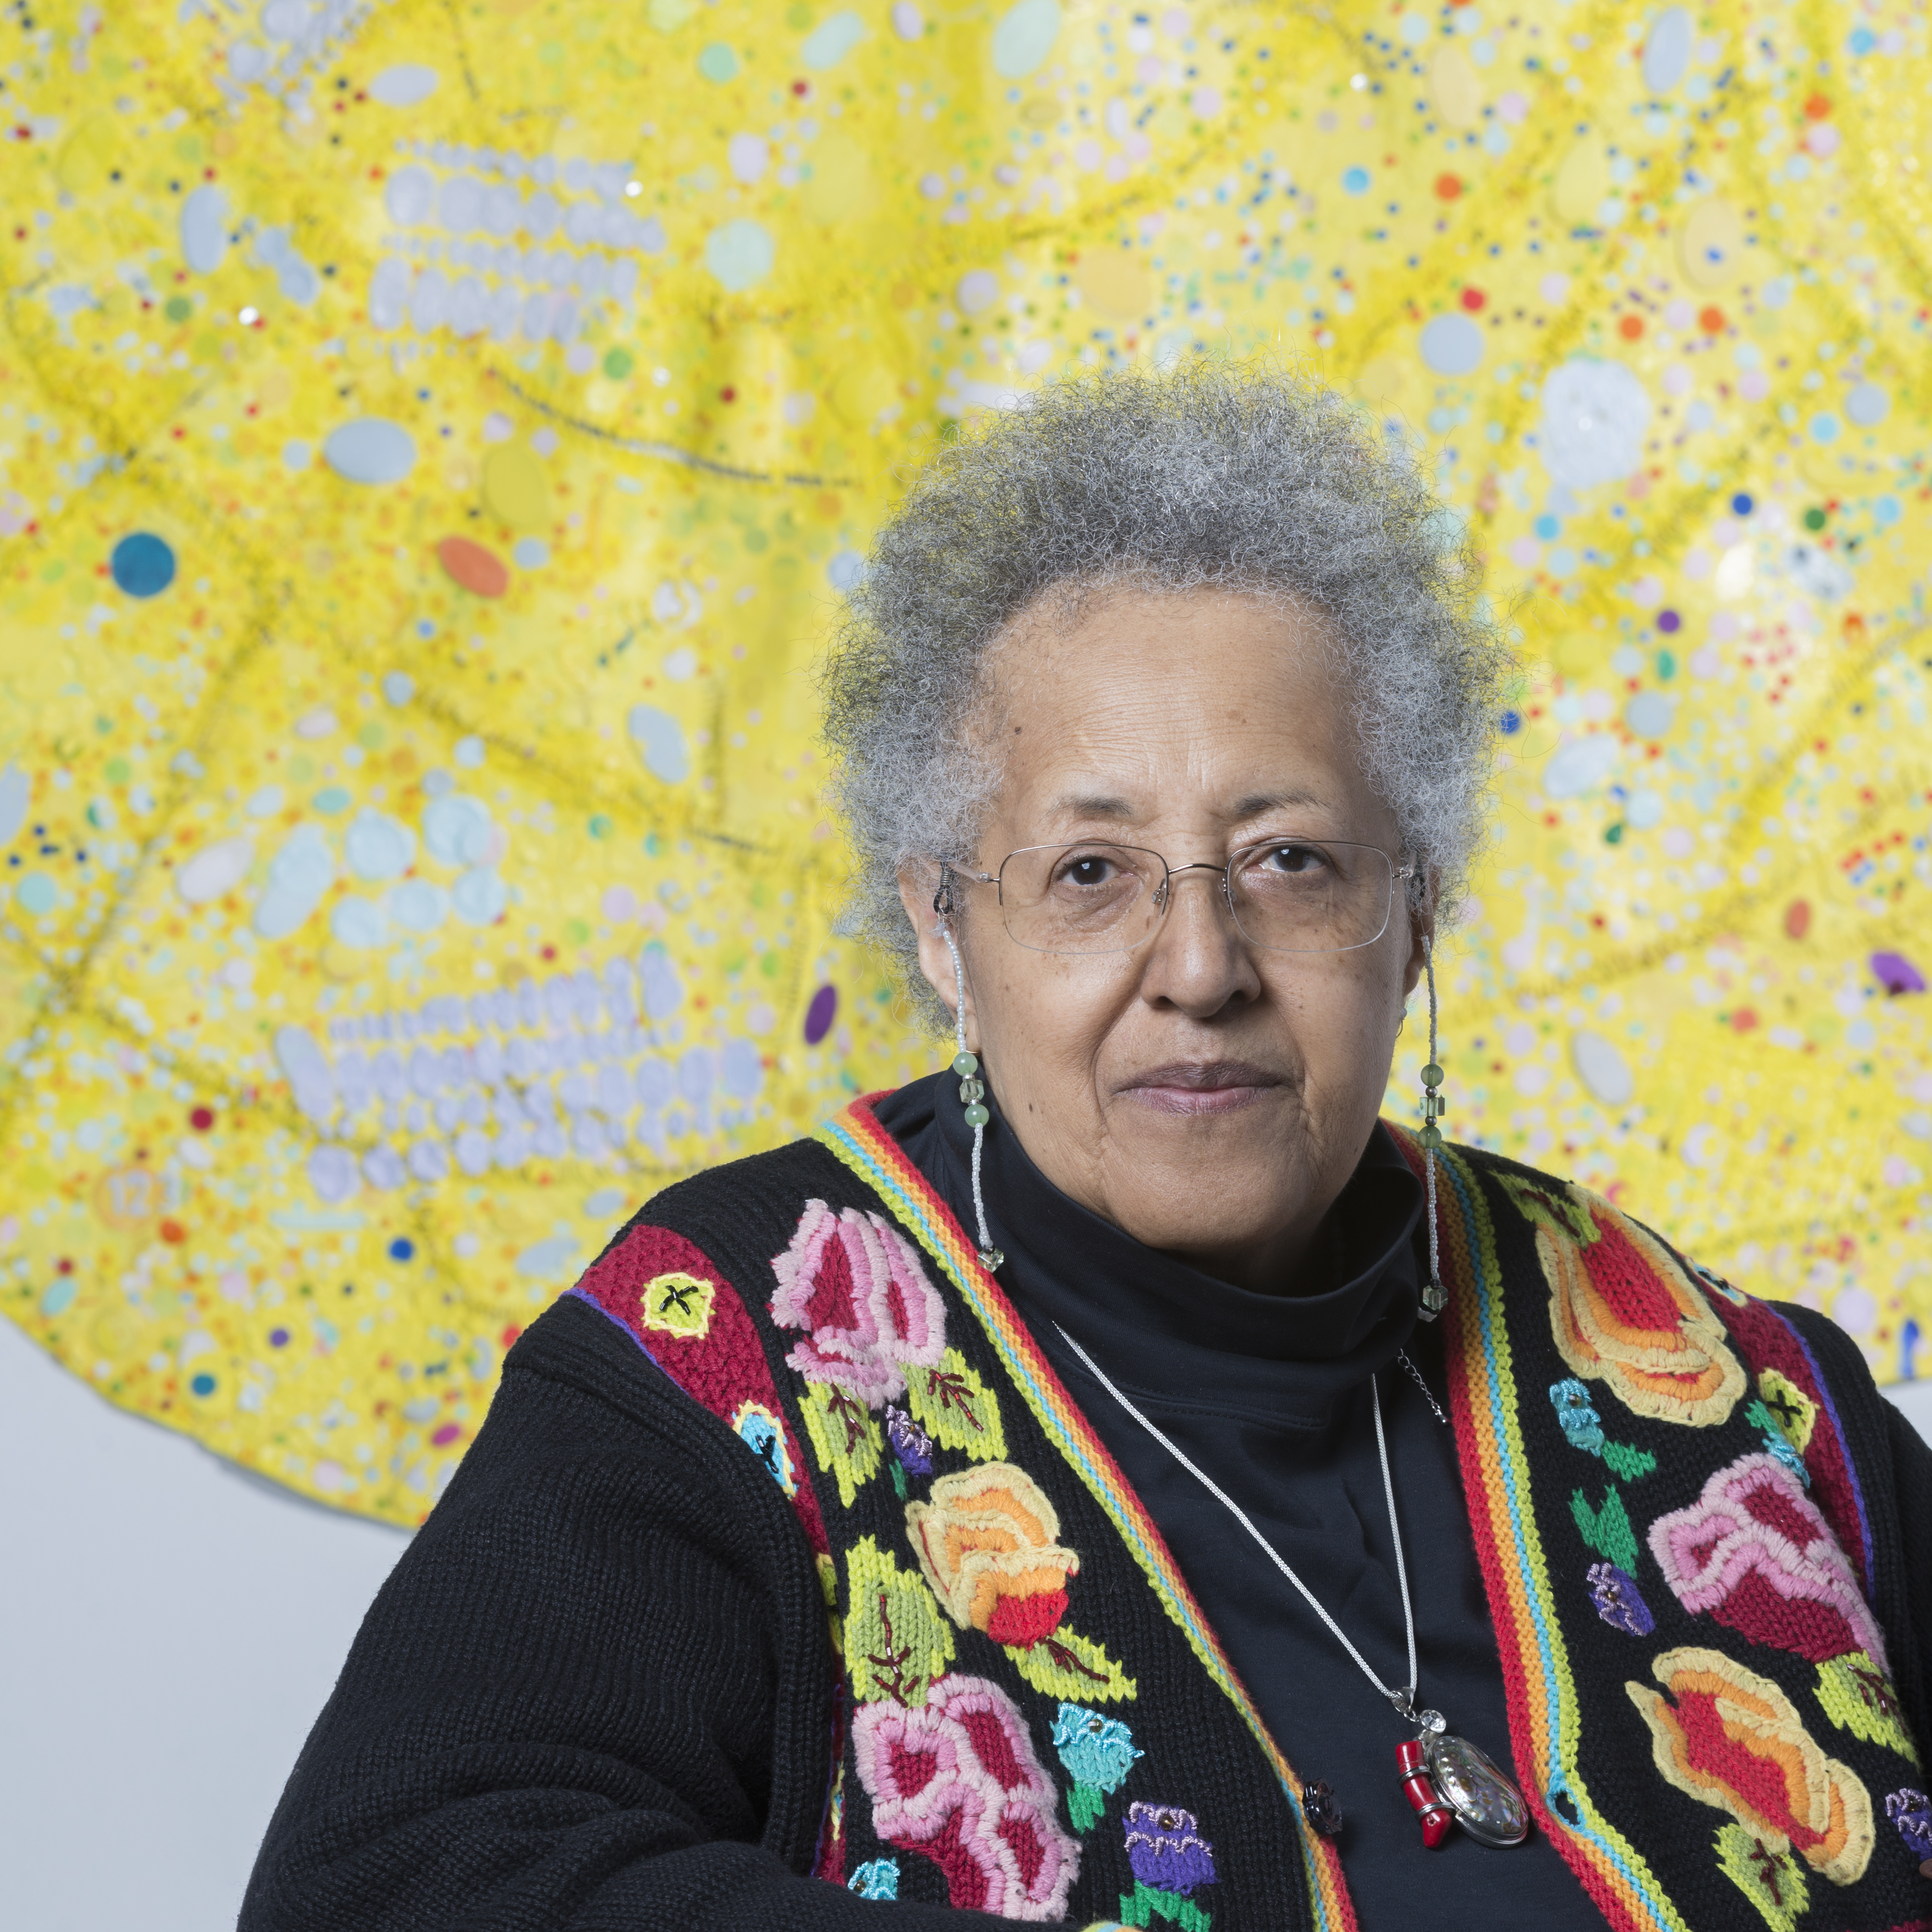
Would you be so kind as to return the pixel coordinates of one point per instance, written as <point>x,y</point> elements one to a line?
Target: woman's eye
<point>1292,859</point>
<point>1087,871</point>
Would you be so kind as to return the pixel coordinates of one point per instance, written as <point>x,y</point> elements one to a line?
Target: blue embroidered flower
<point>1096,1749</point>
<point>1098,1753</point>
<point>1911,1811</point>
<point>879,1878</point>
<point>1581,1423</point>
<point>1165,1848</point>
<point>910,1443</point>
<point>1619,1601</point>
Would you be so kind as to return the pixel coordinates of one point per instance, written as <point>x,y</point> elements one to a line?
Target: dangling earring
<point>1434,1296</point>
<point>972,1088</point>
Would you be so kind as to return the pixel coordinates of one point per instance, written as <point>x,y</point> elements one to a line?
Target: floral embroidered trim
<point>957,1782</point>
<point>1622,1310</point>
<point>1734,1740</point>
<point>1606,1530</point>
<point>856,1285</point>
<point>1857,1696</point>
<point>986,1542</point>
<point>678,1303</point>
<point>1911,1811</point>
<point>1619,1601</point>
<point>1772,1879</point>
<point>762,1429</point>
<point>1755,1552</point>
<point>1097,1753</point>
<point>1171,1860</point>
<point>896,1642</point>
<point>1583,1428</point>
<point>877,1878</point>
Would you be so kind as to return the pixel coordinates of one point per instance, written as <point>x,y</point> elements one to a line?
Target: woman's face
<point>1207,1096</point>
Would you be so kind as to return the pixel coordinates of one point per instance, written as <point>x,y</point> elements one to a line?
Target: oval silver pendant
<point>1487,1803</point>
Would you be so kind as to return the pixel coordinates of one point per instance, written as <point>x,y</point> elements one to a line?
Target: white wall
<point>169,1629</point>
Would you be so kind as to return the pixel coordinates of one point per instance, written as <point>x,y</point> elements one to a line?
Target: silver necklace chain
<point>1403,1699</point>
<point>1415,1376</point>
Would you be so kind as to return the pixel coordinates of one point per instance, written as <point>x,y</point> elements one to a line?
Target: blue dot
<point>1511,723</point>
<point>401,1248</point>
<point>203,1384</point>
<point>142,564</point>
<point>1886,511</point>
<point>1862,40</point>
<point>1547,528</point>
<point>1824,427</point>
<point>1356,180</point>
<point>1741,503</point>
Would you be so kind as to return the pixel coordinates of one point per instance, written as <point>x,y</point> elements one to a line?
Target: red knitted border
<point>724,1368</point>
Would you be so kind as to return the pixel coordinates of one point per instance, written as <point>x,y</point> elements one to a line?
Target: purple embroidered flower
<point>1165,1848</point>
<point>1619,1602</point>
<point>1911,1811</point>
<point>910,1443</point>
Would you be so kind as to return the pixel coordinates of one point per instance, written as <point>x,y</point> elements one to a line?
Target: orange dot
<point>1630,327</point>
<point>1448,186</point>
<point>1473,299</point>
<point>1797,919</point>
<point>172,1231</point>
<point>1817,107</point>
<point>1710,320</point>
<point>480,571</point>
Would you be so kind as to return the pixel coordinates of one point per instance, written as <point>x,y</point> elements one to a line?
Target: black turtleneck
<point>1269,1394</point>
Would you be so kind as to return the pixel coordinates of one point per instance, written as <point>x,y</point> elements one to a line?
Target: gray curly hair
<point>1240,478</point>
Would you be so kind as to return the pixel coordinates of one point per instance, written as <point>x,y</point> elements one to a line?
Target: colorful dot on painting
<point>142,564</point>
<point>1742,504</point>
<point>278,1338</point>
<point>450,1432</point>
<point>1668,620</point>
<point>203,1384</point>
<point>818,1016</point>
<point>401,1248</point>
<point>201,1119</point>
<point>1797,918</point>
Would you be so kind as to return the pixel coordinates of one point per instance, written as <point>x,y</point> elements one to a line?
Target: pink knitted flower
<point>855,1284</point>
<point>1754,1551</point>
<point>957,1782</point>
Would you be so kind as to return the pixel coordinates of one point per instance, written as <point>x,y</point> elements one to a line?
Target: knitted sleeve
<point>595,1692</point>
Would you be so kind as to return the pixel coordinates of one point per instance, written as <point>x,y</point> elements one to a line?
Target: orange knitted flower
<point>1735,1740</point>
<point>986,1543</point>
<point>1623,1311</point>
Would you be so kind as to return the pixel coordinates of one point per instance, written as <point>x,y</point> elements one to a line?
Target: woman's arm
<point>595,1692</point>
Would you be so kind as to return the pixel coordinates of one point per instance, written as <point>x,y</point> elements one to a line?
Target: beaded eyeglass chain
<point>972,1088</point>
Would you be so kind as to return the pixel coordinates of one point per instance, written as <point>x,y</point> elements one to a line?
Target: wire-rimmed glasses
<point>1285,895</point>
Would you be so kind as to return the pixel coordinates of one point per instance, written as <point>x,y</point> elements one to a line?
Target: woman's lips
<point>1214,1086</point>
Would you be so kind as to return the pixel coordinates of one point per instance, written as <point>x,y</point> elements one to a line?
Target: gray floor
<point>168,1630</point>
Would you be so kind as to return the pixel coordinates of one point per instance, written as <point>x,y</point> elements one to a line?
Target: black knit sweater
<point>597,1690</point>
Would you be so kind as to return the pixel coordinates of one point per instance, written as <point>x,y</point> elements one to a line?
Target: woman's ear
<point>920,884</point>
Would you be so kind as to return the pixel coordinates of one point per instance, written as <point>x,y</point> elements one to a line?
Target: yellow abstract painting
<point>434,436</point>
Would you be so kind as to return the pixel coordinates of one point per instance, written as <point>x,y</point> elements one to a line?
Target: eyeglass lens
<point>1287,895</point>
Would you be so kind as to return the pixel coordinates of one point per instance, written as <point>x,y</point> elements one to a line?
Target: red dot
<point>172,1231</point>
<point>801,87</point>
<point>727,394</point>
<point>1473,299</point>
<point>63,1266</point>
<point>1630,327</point>
<point>202,1119</point>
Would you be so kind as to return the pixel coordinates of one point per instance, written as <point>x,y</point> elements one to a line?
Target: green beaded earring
<point>972,1088</point>
<point>1434,1296</point>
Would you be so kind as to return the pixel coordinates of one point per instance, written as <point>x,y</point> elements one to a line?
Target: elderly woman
<point>1119,1480</point>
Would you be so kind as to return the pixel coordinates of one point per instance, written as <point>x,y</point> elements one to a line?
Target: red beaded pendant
<point>1412,1768</point>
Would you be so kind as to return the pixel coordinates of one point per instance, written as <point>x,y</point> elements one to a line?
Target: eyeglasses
<point>1285,894</point>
